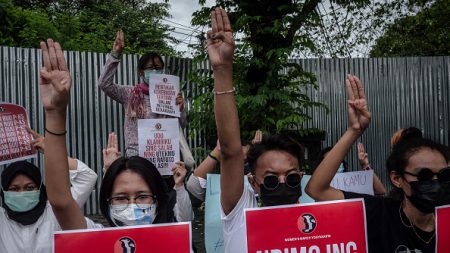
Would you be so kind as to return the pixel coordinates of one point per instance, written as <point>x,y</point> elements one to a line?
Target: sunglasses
<point>426,174</point>
<point>271,182</point>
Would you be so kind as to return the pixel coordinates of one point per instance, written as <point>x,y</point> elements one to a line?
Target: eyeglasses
<point>141,200</point>
<point>271,181</point>
<point>426,174</point>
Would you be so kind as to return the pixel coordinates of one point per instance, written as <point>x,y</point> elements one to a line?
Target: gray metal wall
<point>401,92</point>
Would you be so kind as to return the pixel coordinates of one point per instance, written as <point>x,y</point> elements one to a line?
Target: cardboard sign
<point>163,92</point>
<point>15,141</point>
<point>214,242</point>
<point>159,143</point>
<point>324,227</point>
<point>173,237</point>
<point>443,229</point>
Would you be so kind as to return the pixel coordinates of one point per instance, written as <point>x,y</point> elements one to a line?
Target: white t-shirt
<point>234,223</point>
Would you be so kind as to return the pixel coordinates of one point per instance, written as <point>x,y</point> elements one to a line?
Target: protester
<point>182,208</point>
<point>414,165</point>
<point>274,162</point>
<point>136,100</point>
<point>26,217</point>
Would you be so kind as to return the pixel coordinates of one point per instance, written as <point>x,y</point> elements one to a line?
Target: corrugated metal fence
<point>401,92</point>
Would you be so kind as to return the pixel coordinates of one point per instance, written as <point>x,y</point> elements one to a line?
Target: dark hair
<point>151,56</point>
<point>405,148</point>
<point>274,142</point>
<point>320,158</point>
<point>148,171</point>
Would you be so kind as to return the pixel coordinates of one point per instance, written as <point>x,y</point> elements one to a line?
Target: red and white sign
<point>443,229</point>
<point>15,141</point>
<point>159,142</point>
<point>324,227</point>
<point>163,93</point>
<point>173,237</point>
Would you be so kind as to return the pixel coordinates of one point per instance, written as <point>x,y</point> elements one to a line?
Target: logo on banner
<point>125,245</point>
<point>165,80</point>
<point>2,109</point>
<point>158,126</point>
<point>306,223</point>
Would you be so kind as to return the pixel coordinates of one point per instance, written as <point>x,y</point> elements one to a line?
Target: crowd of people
<point>133,192</point>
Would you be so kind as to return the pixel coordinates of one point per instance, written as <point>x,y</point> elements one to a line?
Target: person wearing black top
<point>418,169</point>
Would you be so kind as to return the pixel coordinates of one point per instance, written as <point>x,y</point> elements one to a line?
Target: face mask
<point>341,168</point>
<point>21,201</point>
<point>282,195</point>
<point>426,195</point>
<point>131,215</point>
<point>149,72</point>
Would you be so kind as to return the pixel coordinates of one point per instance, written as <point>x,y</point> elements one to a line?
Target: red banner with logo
<point>323,227</point>
<point>443,229</point>
<point>174,237</point>
<point>15,141</point>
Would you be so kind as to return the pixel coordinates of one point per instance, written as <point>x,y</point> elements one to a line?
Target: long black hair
<point>165,200</point>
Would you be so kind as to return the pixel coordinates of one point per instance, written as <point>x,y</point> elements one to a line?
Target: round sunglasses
<point>271,181</point>
<point>426,174</point>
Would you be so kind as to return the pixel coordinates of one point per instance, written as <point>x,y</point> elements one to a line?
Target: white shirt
<point>183,207</point>
<point>234,223</point>
<point>38,237</point>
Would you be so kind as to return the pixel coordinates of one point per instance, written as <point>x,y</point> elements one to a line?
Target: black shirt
<point>389,230</point>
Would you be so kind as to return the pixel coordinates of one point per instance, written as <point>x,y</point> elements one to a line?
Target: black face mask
<point>427,195</point>
<point>282,195</point>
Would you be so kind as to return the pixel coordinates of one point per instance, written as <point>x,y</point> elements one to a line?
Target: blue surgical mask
<point>149,72</point>
<point>132,214</point>
<point>341,168</point>
<point>21,201</point>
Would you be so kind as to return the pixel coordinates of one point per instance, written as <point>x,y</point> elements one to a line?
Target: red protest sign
<point>174,237</point>
<point>329,227</point>
<point>442,229</point>
<point>15,141</point>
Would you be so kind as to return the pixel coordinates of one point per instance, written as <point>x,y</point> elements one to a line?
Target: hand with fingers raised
<point>119,44</point>
<point>258,137</point>
<point>111,152</point>
<point>363,157</point>
<point>179,173</point>
<point>220,39</point>
<point>55,78</point>
<point>359,116</point>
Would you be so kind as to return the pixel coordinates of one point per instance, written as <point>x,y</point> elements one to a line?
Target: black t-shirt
<point>389,230</point>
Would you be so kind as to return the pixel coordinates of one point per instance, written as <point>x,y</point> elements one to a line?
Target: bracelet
<point>114,55</point>
<point>57,134</point>
<point>213,156</point>
<point>224,92</point>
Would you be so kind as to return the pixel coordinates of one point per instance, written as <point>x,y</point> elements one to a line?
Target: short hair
<point>274,142</point>
<point>151,56</point>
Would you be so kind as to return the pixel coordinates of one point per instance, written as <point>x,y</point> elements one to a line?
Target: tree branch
<point>299,19</point>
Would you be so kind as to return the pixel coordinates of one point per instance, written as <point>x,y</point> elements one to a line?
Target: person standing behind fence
<point>136,100</point>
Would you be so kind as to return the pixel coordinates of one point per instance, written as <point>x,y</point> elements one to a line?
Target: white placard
<point>159,142</point>
<point>163,92</point>
<point>356,181</point>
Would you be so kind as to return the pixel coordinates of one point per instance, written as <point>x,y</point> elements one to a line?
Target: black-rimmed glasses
<point>142,200</point>
<point>271,181</point>
<point>426,174</point>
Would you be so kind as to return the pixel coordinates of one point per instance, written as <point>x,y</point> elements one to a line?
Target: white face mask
<point>149,72</point>
<point>131,215</point>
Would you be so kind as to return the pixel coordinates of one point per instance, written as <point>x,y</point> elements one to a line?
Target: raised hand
<point>258,137</point>
<point>55,78</point>
<point>38,142</point>
<point>119,43</point>
<point>363,157</point>
<point>220,39</point>
<point>179,173</point>
<point>111,152</point>
<point>358,112</point>
<point>179,100</point>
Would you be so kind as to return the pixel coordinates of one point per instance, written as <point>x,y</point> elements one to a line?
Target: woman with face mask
<point>26,218</point>
<point>135,100</point>
<point>416,166</point>
<point>133,191</point>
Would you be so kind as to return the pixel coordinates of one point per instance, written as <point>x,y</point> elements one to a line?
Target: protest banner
<point>159,143</point>
<point>15,141</point>
<point>443,229</point>
<point>162,238</point>
<point>325,227</point>
<point>163,92</point>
